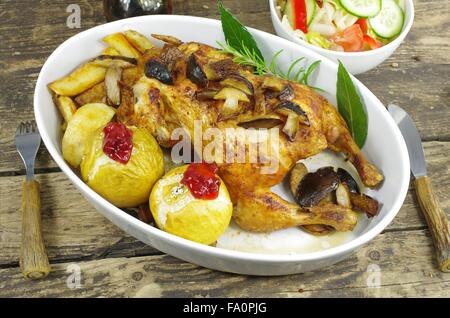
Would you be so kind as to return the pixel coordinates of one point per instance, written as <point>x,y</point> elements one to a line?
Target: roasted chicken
<point>181,83</point>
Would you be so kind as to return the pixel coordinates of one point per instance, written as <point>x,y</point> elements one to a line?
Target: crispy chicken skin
<point>161,108</point>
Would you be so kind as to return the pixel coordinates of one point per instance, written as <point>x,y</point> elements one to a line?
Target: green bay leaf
<point>351,107</point>
<point>237,35</point>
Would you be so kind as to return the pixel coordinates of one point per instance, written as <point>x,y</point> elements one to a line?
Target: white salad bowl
<point>354,62</point>
<point>385,147</point>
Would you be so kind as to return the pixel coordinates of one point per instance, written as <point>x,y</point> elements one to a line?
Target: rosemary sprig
<point>241,44</point>
<point>250,58</point>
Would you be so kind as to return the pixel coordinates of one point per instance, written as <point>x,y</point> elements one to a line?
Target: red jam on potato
<point>201,180</point>
<point>118,142</point>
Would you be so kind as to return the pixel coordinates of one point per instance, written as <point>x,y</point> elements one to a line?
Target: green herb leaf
<point>241,44</point>
<point>237,35</point>
<point>308,72</point>
<point>351,107</point>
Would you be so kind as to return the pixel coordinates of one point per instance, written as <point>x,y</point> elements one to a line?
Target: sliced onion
<point>323,29</point>
<point>343,196</point>
<point>112,78</point>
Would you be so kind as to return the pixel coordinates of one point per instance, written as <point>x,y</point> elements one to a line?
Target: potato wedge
<point>86,120</point>
<point>110,51</point>
<point>79,80</point>
<point>95,94</point>
<point>120,43</point>
<point>66,107</point>
<point>138,40</point>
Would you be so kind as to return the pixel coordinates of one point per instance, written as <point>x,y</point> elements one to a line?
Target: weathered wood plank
<point>402,261</point>
<point>73,229</point>
<point>418,83</point>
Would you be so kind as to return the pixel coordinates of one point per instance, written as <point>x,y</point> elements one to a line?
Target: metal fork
<point>33,257</point>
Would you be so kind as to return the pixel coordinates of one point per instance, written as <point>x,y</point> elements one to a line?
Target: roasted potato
<point>84,122</point>
<point>124,185</point>
<point>95,94</point>
<point>138,40</point>
<point>79,80</point>
<point>66,107</point>
<point>120,43</point>
<point>110,51</point>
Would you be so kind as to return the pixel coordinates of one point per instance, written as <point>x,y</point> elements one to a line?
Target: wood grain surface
<point>416,77</point>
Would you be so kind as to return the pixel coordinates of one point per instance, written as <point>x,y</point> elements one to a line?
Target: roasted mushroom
<point>239,82</point>
<point>206,94</point>
<point>272,83</point>
<point>297,174</point>
<point>112,77</point>
<point>286,94</point>
<point>343,196</point>
<point>359,201</point>
<point>347,178</point>
<point>315,186</point>
<point>294,115</point>
<point>264,121</point>
<point>167,39</point>
<point>156,69</point>
<point>289,108</point>
<point>114,61</point>
<point>195,73</point>
<point>220,69</point>
<point>364,203</point>
<point>232,97</point>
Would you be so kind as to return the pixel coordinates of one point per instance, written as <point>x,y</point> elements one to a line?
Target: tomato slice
<point>351,38</point>
<point>299,9</point>
<point>371,43</point>
<point>363,25</point>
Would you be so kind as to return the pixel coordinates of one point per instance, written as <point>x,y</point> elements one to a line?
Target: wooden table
<point>112,263</point>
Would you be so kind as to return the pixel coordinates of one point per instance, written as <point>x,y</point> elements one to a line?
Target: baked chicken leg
<point>186,83</point>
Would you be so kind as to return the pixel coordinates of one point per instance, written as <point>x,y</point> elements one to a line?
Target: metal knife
<point>434,215</point>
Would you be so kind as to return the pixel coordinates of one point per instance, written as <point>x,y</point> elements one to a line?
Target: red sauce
<point>201,180</point>
<point>118,142</point>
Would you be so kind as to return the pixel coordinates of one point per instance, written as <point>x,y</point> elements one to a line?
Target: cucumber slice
<point>389,22</point>
<point>362,8</point>
<point>311,6</point>
<point>310,11</point>
<point>401,4</point>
